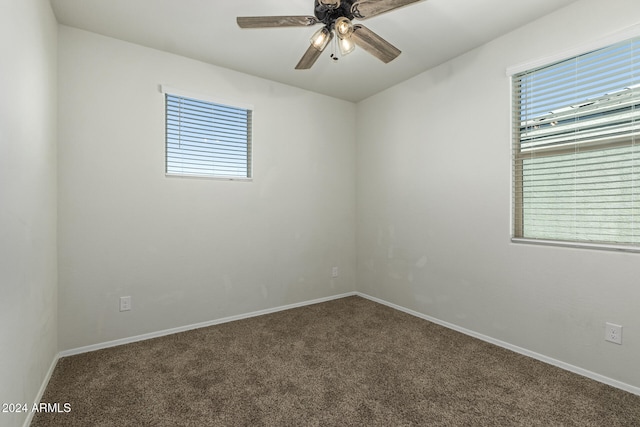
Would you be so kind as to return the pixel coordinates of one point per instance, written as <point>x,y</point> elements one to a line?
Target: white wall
<point>433,190</point>
<point>192,250</point>
<point>28,308</point>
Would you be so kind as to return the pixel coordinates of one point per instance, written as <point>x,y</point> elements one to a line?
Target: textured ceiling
<point>428,33</point>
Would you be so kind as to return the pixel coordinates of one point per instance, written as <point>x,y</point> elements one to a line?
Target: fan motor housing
<point>328,15</point>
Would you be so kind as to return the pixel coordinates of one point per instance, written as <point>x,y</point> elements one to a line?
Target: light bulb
<point>343,27</point>
<point>346,45</point>
<point>321,38</point>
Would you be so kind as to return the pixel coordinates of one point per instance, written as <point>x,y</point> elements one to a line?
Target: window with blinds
<point>207,139</point>
<point>576,150</point>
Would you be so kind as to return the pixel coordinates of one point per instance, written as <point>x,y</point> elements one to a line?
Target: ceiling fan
<point>337,17</point>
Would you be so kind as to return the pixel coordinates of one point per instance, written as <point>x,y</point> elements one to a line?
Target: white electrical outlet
<point>613,333</point>
<point>334,272</point>
<point>125,303</point>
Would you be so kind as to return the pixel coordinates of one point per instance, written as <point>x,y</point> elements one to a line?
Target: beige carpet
<point>348,362</point>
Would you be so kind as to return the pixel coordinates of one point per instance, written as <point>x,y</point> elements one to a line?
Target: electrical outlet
<point>334,272</point>
<point>613,333</point>
<point>125,303</point>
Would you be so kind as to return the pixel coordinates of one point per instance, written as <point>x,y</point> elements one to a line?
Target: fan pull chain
<point>334,49</point>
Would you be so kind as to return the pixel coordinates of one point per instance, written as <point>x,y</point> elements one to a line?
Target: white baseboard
<point>43,387</point>
<point>568,367</point>
<point>164,332</point>
<point>514,348</point>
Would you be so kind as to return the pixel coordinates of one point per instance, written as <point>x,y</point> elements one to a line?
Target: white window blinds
<point>207,139</point>
<point>576,154</point>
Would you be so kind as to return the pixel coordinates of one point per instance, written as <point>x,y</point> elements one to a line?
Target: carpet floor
<point>347,362</point>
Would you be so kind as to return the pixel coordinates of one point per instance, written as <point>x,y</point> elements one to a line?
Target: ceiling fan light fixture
<point>346,45</point>
<point>321,38</point>
<point>343,27</point>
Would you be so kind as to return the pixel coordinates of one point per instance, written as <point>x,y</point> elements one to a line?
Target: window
<point>576,149</point>
<point>207,139</point>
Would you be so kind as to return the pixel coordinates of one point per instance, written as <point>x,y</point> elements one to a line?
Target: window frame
<point>171,91</point>
<point>517,220</point>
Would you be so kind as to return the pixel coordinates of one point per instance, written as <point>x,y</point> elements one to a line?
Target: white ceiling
<point>428,33</point>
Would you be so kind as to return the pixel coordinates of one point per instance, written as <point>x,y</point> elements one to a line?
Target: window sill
<point>577,245</point>
<point>216,178</point>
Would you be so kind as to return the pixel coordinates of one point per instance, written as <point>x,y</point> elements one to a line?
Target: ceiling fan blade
<point>309,58</point>
<point>366,9</point>
<point>275,21</point>
<point>374,44</point>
